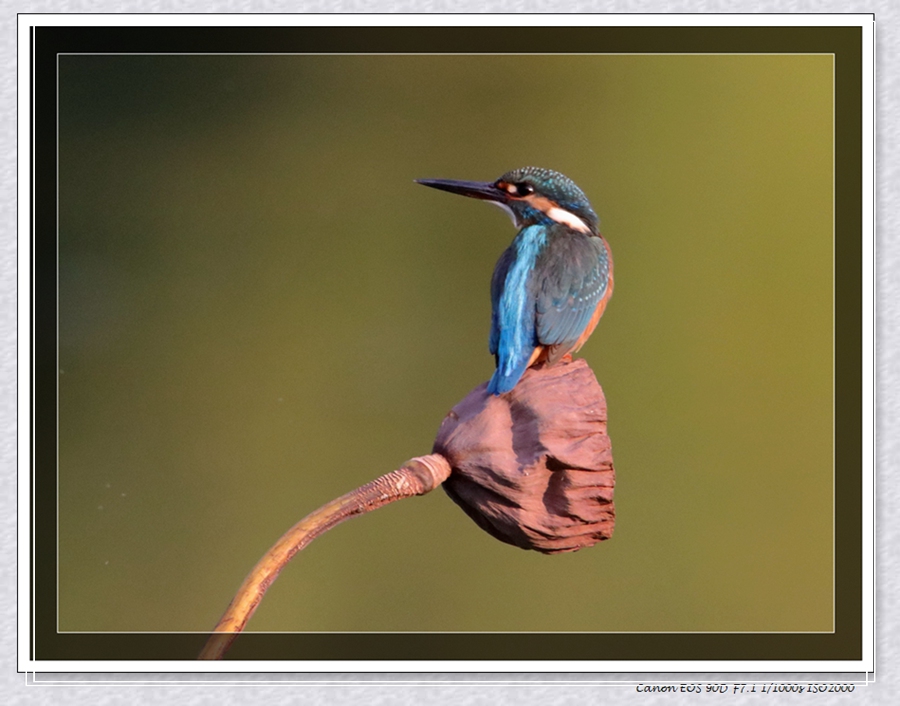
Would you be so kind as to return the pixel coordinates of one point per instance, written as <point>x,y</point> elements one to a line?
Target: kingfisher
<point>551,285</point>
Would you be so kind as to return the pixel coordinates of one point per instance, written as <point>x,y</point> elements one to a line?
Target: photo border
<point>845,645</point>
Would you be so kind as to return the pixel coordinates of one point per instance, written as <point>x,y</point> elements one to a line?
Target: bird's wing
<point>572,277</point>
<point>497,281</point>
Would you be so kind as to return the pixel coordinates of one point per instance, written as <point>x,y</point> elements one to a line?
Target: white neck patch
<point>551,209</point>
<point>561,215</point>
<point>555,212</point>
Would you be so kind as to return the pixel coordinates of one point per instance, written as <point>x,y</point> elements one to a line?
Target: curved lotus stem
<point>416,477</point>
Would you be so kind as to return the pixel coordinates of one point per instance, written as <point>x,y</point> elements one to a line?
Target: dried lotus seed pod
<point>533,467</point>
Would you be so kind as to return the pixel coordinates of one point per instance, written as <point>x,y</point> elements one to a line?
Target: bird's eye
<point>518,189</point>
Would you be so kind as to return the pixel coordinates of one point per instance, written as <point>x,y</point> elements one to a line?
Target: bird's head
<point>530,195</point>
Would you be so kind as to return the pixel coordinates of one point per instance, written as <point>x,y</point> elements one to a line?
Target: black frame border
<point>846,43</point>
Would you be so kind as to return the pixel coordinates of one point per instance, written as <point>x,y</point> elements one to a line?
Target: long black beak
<point>475,189</point>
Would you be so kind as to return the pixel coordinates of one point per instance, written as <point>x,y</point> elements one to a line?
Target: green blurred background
<point>259,311</point>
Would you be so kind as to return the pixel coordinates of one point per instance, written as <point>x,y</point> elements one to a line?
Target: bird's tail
<point>507,375</point>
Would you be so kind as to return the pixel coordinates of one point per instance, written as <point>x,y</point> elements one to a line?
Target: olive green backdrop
<point>259,311</point>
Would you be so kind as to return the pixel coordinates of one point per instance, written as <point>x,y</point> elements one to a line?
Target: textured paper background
<point>542,690</point>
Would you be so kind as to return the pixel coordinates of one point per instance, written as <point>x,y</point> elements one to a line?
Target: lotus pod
<point>533,467</point>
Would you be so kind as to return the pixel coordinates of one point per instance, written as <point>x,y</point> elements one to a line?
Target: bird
<point>551,285</point>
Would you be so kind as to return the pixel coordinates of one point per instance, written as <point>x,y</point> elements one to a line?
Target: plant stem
<point>416,477</point>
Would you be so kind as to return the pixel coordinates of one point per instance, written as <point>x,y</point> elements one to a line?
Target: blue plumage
<point>513,336</point>
<point>545,290</point>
